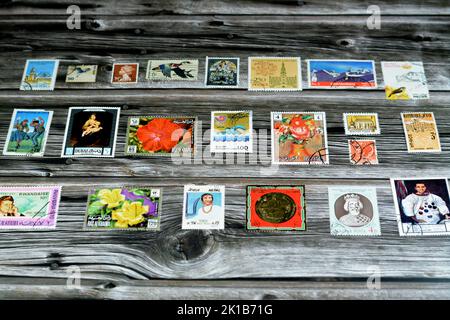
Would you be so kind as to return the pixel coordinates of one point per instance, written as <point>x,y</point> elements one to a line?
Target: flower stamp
<point>361,123</point>
<point>204,207</point>
<point>354,211</point>
<point>231,131</point>
<point>39,75</point>
<point>421,132</point>
<point>172,69</point>
<point>422,206</point>
<point>299,138</point>
<point>127,208</point>
<point>274,74</point>
<point>222,72</point>
<point>91,132</point>
<point>161,136</point>
<point>28,132</point>
<point>81,73</point>
<point>280,208</point>
<point>123,73</point>
<point>29,207</point>
<point>362,152</point>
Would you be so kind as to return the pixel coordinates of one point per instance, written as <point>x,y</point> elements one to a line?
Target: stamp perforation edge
<point>406,133</point>
<point>238,79</point>
<point>361,133</point>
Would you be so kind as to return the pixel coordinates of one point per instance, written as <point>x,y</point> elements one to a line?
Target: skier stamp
<point>175,69</point>
<point>421,132</point>
<point>231,131</point>
<point>274,74</point>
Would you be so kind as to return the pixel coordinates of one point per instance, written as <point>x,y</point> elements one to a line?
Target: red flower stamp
<point>362,152</point>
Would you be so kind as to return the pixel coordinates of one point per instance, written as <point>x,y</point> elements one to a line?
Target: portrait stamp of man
<point>274,74</point>
<point>125,73</point>
<point>421,132</point>
<point>362,152</point>
<point>172,69</point>
<point>39,75</point>
<point>81,73</point>
<point>231,131</point>
<point>222,72</point>
<point>361,123</point>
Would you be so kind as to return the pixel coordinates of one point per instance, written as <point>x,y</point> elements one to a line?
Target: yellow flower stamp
<point>274,74</point>
<point>421,132</point>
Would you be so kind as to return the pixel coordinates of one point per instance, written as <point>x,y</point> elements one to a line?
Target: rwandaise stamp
<point>421,132</point>
<point>125,73</point>
<point>231,131</point>
<point>361,123</point>
<point>362,152</point>
<point>354,211</point>
<point>39,75</point>
<point>274,74</point>
<point>29,207</point>
<point>222,72</point>
<point>81,73</point>
<point>174,69</point>
<point>204,207</point>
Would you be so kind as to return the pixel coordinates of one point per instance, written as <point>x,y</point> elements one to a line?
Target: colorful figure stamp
<point>29,207</point>
<point>274,74</point>
<point>341,74</point>
<point>362,152</point>
<point>39,75</point>
<point>125,208</point>
<point>404,80</point>
<point>231,131</point>
<point>204,207</point>
<point>222,72</point>
<point>91,132</point>
<point>161,136</point>
<point>276,208</point>
<point>422,206</point>
<point>299,138</point>
<point>175,69</point>
<point>361,124</point>
<point>81,73</point>
<point>421,132</point>
<point>354,211</point>
<point>125,73</point>
<point>28,132</point>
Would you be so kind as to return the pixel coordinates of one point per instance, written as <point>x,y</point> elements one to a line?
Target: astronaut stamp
<point>362,152</point>
<point>222,72</point>
<point>404,80</point>
<point>231,131</point>
<point>421,132</point>
<point>274,74</point>
<point>353,211</point>
<point>276,208</point>
<point>39,75</point>
<point>361,124</point>
<point>81,73</point>
<point>204,207</point>
<point>172,69</point>
<point>29,207</point>
<point>125,73</point>
<point>422,206</point>
<point>91,132</point>
<point>299,138</point>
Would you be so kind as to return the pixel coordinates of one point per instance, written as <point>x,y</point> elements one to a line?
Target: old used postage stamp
<point>231,131</point>
<point>361,123</point>
<point>421,132</point>
<point>276,208</point>
<point>129,208</point>
<point>362,152</point>
<point>204,207</point>
<point>29,207</point>
<point>91,132</point>
<point>125,73</point>
<point>404,80</point>
<point>422,206</point>
<point>274,74</point>
<point>222,72</point>
<point>299,138</point>
<point>81,73</point>
<point>28,132</point>
<point>172,69</point>
<point>354,211</point>
<point>159,135</point>
<point>39,75</point>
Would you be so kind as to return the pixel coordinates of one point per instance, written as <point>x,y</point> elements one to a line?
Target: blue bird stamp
<point>175,69</point>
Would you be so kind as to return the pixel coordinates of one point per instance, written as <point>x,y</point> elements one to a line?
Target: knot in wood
<point>190,245</point>
<point>345,43</point>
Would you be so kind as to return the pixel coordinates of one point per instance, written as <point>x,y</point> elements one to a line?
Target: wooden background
<point>231,263</point>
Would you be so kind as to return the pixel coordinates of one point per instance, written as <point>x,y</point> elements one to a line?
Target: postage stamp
<point>126,208</point>
<point>341,74</point>
<point>39,75</point>
<point>421,132</point>
<point>362,152</point>
<point>29,207</point>
<point>172,69</point>
<point>404,80</point>
<point>91,132</point>
<point>276,208</point>
<point>28,132</point>
<point>361,124</point>
<point>204,207</point>
<point>125,73</point>
<point>159,135</point>
<point>299,138</point>
<point>231,131</point>
<point>274,74</point>
<point>222,72</point>
<point>354,211</point>
<point>81,73</point>
<point>422,206</point>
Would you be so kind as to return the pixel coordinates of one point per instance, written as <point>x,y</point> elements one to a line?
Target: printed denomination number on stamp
<point>231,131</point>
<point>421,132</point>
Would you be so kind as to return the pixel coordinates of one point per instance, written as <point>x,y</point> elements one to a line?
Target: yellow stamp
<point>274,74</point>
<point>361,123</point>
<point>421,132</point>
